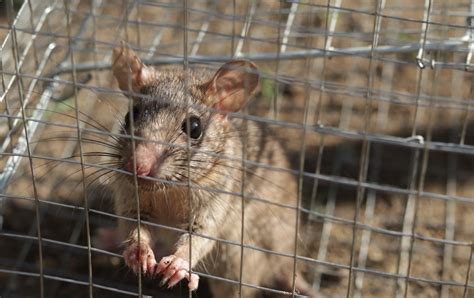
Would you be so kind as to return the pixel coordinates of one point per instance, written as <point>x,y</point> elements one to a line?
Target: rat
<point>187,157</point>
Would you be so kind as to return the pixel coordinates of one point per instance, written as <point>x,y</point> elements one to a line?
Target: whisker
<point>73,139</point>
<point>95,124</point>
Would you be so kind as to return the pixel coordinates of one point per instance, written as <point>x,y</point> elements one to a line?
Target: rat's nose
<point>145,160</point>
<point>143,168</point>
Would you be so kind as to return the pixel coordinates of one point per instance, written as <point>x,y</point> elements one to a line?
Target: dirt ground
<point>379,98</point>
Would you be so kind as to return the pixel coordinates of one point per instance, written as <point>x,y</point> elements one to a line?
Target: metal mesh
<point>372,100</point>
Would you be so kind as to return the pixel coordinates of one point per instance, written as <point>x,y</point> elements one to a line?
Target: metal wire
<point>355,80</point>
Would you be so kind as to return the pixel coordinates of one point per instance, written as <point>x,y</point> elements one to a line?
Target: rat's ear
<point>129,71</point>
<point>232,85</point>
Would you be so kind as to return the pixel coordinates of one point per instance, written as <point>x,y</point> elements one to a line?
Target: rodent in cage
<point>186,133</point>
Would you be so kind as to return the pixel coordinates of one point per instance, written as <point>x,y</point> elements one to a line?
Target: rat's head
<point>179,117</point>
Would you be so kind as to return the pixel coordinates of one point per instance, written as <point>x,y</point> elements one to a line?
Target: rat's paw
<point>140,256</point>
<point>173,269</point>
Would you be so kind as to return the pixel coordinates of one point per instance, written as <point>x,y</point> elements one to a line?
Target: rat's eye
<point>136,111</point>
<point>195,128</point>
<point>135,116</point>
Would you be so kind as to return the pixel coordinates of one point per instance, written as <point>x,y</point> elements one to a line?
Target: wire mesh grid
<point>372,100</point>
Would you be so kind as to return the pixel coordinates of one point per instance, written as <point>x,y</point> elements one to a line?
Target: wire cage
<point>371,98</point>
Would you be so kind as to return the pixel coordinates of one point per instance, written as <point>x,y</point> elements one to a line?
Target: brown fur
<point>215,167</point>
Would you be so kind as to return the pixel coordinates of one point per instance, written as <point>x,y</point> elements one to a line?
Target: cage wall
<point>371,99</point>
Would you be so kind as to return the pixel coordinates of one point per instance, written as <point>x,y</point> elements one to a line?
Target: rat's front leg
<point>138,254</point>
<point>175,267</point>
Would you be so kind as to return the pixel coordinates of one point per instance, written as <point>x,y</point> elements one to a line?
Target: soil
<point>387,108</point>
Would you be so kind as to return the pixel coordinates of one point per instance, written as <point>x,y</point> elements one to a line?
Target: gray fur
<point>219,180</point>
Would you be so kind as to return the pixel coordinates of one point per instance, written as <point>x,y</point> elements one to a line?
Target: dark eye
<point>136,111</point>
<point>195,128</point>
<point>135,116</point>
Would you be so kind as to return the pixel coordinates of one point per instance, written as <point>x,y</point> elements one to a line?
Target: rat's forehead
<point>158,106</point>
<point>172,88</point>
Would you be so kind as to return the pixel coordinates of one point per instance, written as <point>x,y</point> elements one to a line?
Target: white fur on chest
<point>161,211</point>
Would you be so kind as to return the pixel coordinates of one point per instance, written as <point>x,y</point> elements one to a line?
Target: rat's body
<point>213,204</point>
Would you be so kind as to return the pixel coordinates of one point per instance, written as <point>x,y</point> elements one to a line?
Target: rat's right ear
<point>129,71</point>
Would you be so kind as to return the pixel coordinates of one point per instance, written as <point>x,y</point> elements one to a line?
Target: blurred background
<point>371,98</point>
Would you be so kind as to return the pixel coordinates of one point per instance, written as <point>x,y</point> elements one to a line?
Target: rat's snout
<point>146,161</point>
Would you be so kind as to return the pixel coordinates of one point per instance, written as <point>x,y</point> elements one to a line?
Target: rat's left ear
<point>232,85</point>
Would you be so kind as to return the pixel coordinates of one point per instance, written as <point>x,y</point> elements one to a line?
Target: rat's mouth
<point>147,183</point>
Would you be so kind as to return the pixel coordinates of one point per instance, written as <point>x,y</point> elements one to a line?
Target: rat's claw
<point>162,282</point>
<point>177,277</point>
<point>176,265</point>
<point>163,264</point>
<point>193,281</point>
<point>139,257</point>
<point>173,270</point>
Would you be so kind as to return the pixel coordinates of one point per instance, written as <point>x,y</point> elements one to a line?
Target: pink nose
<point>145,161</point>
<point>143,169</point>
